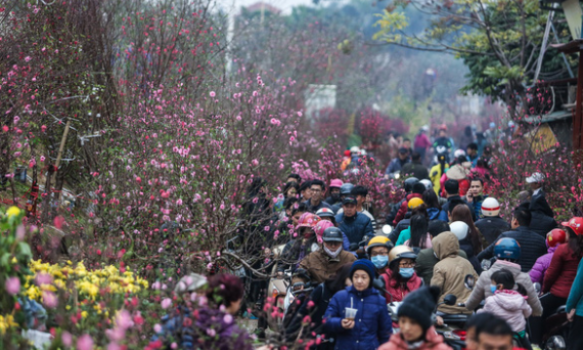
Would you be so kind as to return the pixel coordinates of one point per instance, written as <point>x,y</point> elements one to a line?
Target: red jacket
<point>399,290</point>
<point>561,273</point>
<point>405,207</point>
<point>433,341</point>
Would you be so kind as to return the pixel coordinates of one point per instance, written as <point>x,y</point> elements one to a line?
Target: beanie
<point>365,265</point>
<point>420,305</point>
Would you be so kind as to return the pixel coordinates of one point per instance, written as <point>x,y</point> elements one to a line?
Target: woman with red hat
<point>560,275</point>
<point>555,238</point>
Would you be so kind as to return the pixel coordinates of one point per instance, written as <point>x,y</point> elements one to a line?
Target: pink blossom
<point>255,93</point>
<point>124,319</point>
<point>20,232</point>
<point>43,128</point>
<point>42,158</point>
<point>255,162</point>
<point>228,319</point>
<point>27,59</point>
<point>12,285</point>
<point>85,342</point>
<point>67,339</point>
<point>212,94</point>
<point>43,278</point>
<point>157,328</point>
<point>50,299</point>
<point>166,303</point>
<point>211,332</point>
<point>179,201</point>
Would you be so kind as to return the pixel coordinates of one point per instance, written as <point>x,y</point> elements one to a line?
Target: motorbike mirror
<point>450,299</point>
<point>470,282</point>
<point>556,342</point>
<point>387,229</point>
<point>486,264</point>
<point>537,287</point>
<point>353,246</point>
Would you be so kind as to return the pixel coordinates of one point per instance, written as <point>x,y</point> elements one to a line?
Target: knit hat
<point>365,265</point>
<point>420,305</point>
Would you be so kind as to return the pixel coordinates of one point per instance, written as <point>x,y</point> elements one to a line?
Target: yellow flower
<point>6,322</point>
<point>14,261</point>
<point>13,211</point>
<point>84,314</point>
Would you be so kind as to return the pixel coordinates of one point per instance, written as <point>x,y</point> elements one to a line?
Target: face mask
<point>380,261</point>
<point>493,288</point>
<point>332,254</point>
<point>335,196</point>
<point>406,272</point>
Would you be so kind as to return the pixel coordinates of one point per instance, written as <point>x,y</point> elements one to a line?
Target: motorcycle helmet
<point>507,248</point>
<point>575,224</point>
<point>333,234</point>
<point>556,237</point>
<point>321,227</point>
<point>415,203</point>
<point>459,153</point>
<point>345,189</point>
<point>490,207</point>
<point>325,213</point>
<point>427,183</point>
<point>460,229</point>
<point>409,183</point>
<point>401,252</point>
<point>307,220</point>
<point>443,127</point>
<point>378,241</point>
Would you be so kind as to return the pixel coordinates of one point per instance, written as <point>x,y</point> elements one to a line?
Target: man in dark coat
<point>355,225</point>
<point>415,168</point>
<point>532,245</point>
<point>492,225</point>
<point>538,200</point>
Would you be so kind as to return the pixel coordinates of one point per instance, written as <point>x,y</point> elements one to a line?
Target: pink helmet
<point>307,220</point>
<point>320,227</point>
<point>336,183</point>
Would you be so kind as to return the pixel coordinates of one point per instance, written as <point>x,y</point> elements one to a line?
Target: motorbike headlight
<point>556,342</point>
<point>397,176</point>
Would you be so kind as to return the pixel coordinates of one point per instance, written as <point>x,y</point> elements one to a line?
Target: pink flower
<point>212,94</point>
<point>255,162</point>
<point>255,93</point>
<point>211,332</point>
<point>228,318</point>
<point>42,158</point>
<point>20,232</point>
<point>85,342</point>
<point>157,328</point>
<point>166,303</point>
<point>12,285</point>
<point>50,299</point>
<point>179,202</point>
<point>124,319</point>
<point>43,278</point>
<point>67,339</point>
<point>27,59</point>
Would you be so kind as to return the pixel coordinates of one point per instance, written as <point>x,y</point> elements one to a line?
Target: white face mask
<point>333,254</point>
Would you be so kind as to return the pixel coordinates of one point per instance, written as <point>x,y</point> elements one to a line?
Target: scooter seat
<point>454,318</point>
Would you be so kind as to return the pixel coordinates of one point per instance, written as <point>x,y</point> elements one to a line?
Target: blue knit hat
<point>365,265</point>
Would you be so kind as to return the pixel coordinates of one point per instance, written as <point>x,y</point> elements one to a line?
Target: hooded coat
<point>537,274</point>
<point>433,341</point>
<point>450,272</point>
<point>372,325</point>
<point>426,261</point>
<point>322,267</point>
<point>482,289</point>
<point>510,306</point>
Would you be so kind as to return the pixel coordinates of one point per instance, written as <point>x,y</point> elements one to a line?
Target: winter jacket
<point>434,213</point>
<point>321,267</point>
<point>398,291</point>
<point>575,299</point>
<point>396,165</point>
<point>537,274</point>
<point>401,227</point>
<point>365,212</point>
<point>511,306</point>
<point>314,208</point>
<point>539,203</point>
<point>356,227</point>
<point>562,271</point>
<point>435,176</point>
<point>405,207</point>
<point>532,246</point>
<point>415,169</point>
<point>476,206</point>
<point>450,272</point>
<point>541,224</point>
<point>467,247</point>
<point>421,141</point>
<point>426,261</point>
<point>295,251</point>
<point>394,210</point>
<point>445,208</point>
<point>372,325</point>
<point>482,288</point>
<point>433,341</point>
<point>492,227</point>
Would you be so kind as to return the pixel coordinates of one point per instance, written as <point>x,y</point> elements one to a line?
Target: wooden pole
<point>60,154</point>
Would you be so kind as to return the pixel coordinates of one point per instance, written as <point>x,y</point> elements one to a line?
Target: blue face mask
<point>493,288</point>
<point>406,272</point>
<point>380,261</point>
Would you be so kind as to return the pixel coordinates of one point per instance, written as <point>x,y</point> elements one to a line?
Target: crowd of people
<point>346,268</point>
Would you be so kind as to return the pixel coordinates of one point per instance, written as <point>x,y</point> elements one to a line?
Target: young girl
<point>507,303</point>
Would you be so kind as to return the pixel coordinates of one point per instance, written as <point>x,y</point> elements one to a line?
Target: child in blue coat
<point>371,325</point>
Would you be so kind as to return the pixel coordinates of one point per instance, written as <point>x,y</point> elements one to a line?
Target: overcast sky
<point>284,5</point>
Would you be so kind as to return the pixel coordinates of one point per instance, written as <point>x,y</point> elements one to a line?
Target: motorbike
<point>556,328</point>
<point>277,290</point>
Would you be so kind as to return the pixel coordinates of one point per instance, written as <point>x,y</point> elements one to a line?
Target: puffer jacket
<point>372,325</point>
<point>482,289</point>
<point>449,273</point>
<point>541,224</point>
<point>532,246</point>
<point>561,272</point>
<point>433,341</point>
<point>426,261</point>
<point>398,291</point>
<point>492,227</point>
<point>356,227</point>
<point>466,246</point>
<point>537,274</point>
<point>405,207</point>
<point>321,267</point>
<point>511,306</point>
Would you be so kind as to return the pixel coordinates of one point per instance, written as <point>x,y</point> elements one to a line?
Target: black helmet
<point>332,234</point>
<point>345,189</point>
<point>409,183</point>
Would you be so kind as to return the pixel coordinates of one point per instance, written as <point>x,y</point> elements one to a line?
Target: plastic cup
<point>350,313</point>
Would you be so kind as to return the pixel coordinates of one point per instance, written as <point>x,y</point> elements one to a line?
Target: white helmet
<point>460,229</point>
<point>427,183</point>
<point>459,153</point>
<point>354,149</point>
<point>490,207</point>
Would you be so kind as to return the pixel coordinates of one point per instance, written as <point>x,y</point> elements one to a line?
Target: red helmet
<point>307,220</point>
<point>575,224</point>
<point>556,236</point>
<point>443,127</point>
